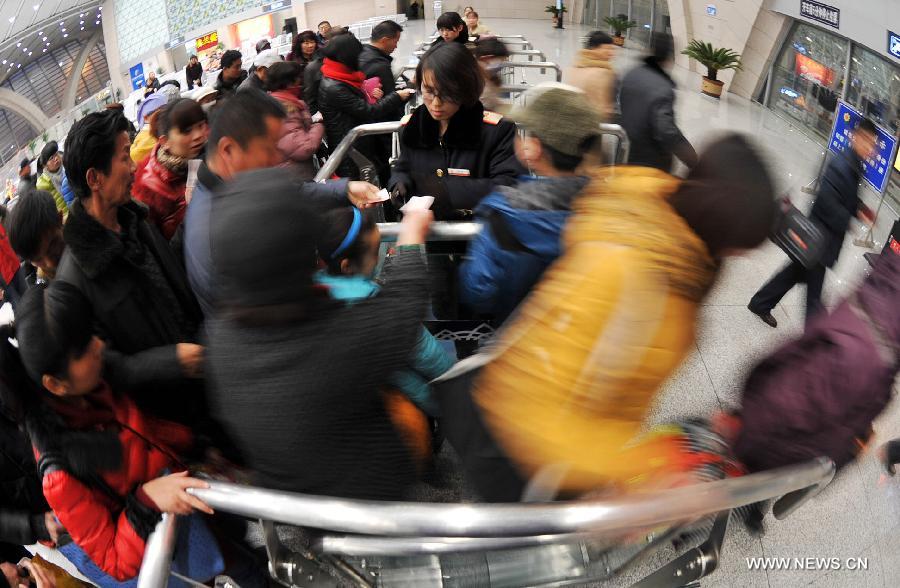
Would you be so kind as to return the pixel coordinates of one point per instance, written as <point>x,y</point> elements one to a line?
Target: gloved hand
<point>399,195</point>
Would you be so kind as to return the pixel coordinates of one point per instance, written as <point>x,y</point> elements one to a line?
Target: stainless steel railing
<point>340,152</point>
<point>402,528</point>
<point>533,65</point>
<point>158,553</point>
<point>439,231</point>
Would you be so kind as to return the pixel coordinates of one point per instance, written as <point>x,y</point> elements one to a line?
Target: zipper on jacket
<point>444,151</point>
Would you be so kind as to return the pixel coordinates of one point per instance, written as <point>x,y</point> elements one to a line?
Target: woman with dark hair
<point>585,354</point>
<point>452,28</point>
<point>160,180</point>
<point>304,49</point>
<point>343,101</point>
<point>300,136</point>
<point>452,148</point>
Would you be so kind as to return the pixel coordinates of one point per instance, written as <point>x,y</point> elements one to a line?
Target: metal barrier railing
<point>507,65</point>
<point>402,528</point>
<point>340,152</point>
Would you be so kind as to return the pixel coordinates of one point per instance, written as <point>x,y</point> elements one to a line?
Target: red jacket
<point>113,441</point>
<point>9,261</point>
<point>163,192</point>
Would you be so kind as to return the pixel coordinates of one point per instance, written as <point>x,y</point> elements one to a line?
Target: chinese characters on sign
<point>821,12</point>
<point>877,168</point>
<point>207,41</point>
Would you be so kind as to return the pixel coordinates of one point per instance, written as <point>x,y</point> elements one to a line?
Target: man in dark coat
<point>27,182</point>
<point>648,111</point>
<point>140,295</point>
<point>375,61</point>
<point>836,203</point>
<point>232,75</point>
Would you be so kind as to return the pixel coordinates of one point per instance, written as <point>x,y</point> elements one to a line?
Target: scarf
<point>175,164</point>
<point>340,72</point>
<point>589,58</point>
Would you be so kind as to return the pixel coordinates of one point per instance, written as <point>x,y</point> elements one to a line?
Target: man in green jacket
<point>50,179</point>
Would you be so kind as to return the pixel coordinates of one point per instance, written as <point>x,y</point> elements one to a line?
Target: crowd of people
<point>190,305</point>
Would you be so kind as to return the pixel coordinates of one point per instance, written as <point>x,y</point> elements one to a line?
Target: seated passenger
<point>451,148</point>
<point>452,29</point>
<point>109,470</point>
<point>140,296</point>
<point>521,225</point>
<point>161,179</point>
<point>349,247</point>
<point>343,100</point>
<point>298,377</point>
<point>300,136</point>
<point>819,394</point>
<point>565,389</point>
<point>36,232</point>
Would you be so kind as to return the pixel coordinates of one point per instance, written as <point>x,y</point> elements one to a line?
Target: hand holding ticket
<point>418,203</point>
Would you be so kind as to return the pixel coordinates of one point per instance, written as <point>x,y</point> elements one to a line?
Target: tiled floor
<point>859,514</point>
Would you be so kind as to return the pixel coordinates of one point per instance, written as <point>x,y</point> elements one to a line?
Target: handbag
<point>798,235</point>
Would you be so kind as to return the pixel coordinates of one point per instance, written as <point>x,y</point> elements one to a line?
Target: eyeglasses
<point>431,95</point>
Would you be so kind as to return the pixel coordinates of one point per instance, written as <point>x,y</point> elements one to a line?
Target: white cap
<point>267,58</point>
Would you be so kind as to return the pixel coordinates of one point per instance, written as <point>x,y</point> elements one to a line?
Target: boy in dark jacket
<point>521,224</point>
<point>837,202</point>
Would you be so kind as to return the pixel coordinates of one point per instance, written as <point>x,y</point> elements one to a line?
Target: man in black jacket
<point>837,202</point>
<point>232,75</point>
<point>193,71</point>
<point>141,299</point>
<point>648,111</point>
<point>375,61</point>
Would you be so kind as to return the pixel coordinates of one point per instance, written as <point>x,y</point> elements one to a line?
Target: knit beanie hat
<point>263,240</point>
<point>47,152</point>
<point>560,116</point>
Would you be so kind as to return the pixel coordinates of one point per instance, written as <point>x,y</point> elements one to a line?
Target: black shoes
<point>766,317</point>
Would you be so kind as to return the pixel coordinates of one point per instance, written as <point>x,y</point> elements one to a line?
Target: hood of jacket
<point>93,246</point>
<point>463,132</point>
<point>535,211</point>
<point>589,58</point>
<point>629,206</point>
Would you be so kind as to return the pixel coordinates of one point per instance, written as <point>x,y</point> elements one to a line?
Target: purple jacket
<point>820,393</point>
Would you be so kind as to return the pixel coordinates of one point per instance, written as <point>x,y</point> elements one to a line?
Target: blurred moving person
<point>836,204</point>
<point>491,54</point>
<point>647,98</point>
<point>818,395</point>
<point>593,72</point>
<point>564,390</point>
<point>521,225</point>
<point>317,421</point>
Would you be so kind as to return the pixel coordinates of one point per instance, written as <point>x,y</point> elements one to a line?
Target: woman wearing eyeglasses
<point>451,148</point>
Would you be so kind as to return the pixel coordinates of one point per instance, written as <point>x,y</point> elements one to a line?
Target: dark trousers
<point>781,283</point>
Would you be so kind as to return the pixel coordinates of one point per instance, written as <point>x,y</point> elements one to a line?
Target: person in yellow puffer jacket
<point>560,397</point>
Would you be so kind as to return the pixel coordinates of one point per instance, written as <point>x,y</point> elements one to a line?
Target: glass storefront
<point>810,75</point>
<point>650,15</point>
<point>642,14</point>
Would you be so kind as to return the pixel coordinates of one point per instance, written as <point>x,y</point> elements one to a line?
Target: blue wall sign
<point>790,93</point>
<point>799,48</point>
<point>877,168</point>
<point>137,76</point>
<point>822,13</point>
<point>711,10</point>
<point>894,44</point>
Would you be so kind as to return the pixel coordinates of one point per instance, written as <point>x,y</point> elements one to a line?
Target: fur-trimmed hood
<point>93,246</point>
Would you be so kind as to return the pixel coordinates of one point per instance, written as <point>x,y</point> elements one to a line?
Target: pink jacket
<point>300,137</point>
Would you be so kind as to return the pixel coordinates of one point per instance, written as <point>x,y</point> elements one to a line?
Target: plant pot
<point>554,20</point>
<point>619,40</point>
<point>711,87</point>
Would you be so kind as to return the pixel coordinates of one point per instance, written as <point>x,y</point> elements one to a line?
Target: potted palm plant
<point>556,12</point>
<point>714,60</point>
<point>619,24</point>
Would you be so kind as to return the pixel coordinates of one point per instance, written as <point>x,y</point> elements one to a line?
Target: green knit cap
<point>559,116</point>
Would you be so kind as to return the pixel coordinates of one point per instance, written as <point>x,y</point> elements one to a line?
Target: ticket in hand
<point>382,196</point>
<point>418,203</point>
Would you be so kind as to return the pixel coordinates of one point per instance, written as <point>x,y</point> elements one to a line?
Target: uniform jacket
<point>300,137</point>
<point>475,155</point>
<point>837,202</point>
<point>647,98</point>
<point>344,107</point>
<point>520,237</point>
<point>162,190</point>
<point>818,395</point>
<point>574,374</point>
<point>113,443</point>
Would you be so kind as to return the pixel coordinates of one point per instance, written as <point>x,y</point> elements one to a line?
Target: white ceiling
<point>27,26</point>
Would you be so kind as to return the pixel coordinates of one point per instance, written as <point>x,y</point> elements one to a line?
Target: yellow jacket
<point>578,367</point>
<point>143,145</point>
